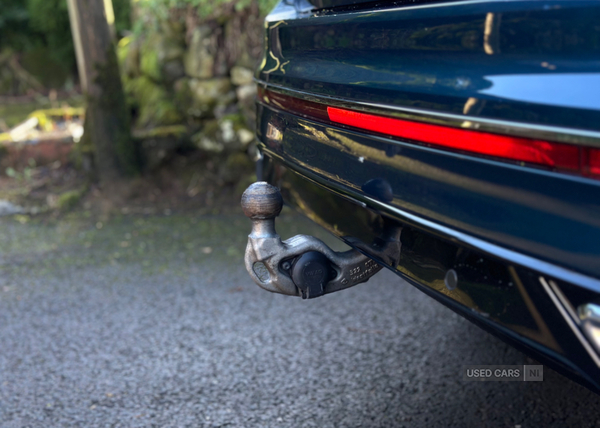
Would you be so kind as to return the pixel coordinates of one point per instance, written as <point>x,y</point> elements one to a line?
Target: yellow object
<point>45,119</point>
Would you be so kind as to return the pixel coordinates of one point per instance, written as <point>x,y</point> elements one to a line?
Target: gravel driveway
<point>154,322</point>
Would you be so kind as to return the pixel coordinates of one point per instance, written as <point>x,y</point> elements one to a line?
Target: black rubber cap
<point>310,273</point>
<point>379,188</point>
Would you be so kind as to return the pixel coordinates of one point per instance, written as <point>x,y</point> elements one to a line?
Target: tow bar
<point>304,265</point>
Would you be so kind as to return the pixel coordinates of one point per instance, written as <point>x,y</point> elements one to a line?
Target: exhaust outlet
<point>304,265</point>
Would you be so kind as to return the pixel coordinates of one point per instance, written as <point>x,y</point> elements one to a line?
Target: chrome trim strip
<point>317,13</point>
<point>429,6</point>
<point>565,302</point>
<point>465,239</point>
<point>590,350</point>
<point>549,133</point>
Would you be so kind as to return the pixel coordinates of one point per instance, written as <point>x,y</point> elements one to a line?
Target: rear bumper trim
<point>580,137</point>
<point>465,239</point>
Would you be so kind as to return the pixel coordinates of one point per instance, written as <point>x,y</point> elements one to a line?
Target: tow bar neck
<point>304,265</point>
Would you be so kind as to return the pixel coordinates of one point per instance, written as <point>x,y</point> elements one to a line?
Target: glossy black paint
<point>503,298</point>
<point>550,216</point>
<point>505,229</point>
<point>493,59</point>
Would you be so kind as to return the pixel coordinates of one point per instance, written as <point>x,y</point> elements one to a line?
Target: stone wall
<point>193,78</point>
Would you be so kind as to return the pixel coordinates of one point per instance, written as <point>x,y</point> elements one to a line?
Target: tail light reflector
<point>560,156</point>
<point>557,155</point>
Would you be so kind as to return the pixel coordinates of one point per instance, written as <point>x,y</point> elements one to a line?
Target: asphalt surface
<point>154,322</point>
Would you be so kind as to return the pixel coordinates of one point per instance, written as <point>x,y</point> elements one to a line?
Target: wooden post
<point>107,118</point>
<point>74,20</point>
<point>110,18</point>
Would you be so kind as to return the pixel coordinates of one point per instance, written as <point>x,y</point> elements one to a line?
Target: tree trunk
<point>107,119</point>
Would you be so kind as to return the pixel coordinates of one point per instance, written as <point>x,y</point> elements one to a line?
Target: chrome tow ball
<point>304,265</point>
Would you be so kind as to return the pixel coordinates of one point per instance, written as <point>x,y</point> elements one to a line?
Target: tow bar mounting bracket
<point>304,265</point>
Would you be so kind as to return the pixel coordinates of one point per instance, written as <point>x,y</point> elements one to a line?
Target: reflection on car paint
<point>576,90</point>
<point>440,57</point>
<point>492,290</point>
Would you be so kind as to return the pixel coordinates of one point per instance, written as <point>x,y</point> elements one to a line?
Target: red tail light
<point>564,157</point>
<point>556,155</point>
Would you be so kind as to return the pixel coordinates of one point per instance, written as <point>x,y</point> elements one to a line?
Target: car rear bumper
<point>525,300</point>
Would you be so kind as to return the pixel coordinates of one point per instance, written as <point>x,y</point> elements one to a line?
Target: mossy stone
<point>241,76</point>
<point>228,134</point>
<point>208,138</point>
<point>128,54</point>
<point>156,51</point>
<point>199,59</point>
<point>182,95</point>
<point>155,105</point>
<point>206,94</point>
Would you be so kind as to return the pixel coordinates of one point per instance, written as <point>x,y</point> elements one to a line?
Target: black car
<point>454,142</point>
